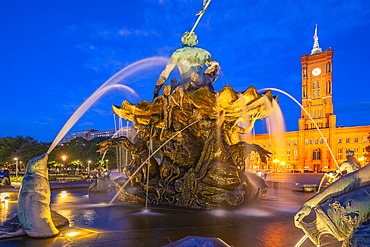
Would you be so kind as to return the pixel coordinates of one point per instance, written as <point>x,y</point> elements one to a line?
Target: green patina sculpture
<point>342,209</point>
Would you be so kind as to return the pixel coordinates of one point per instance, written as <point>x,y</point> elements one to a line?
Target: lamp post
<point>78,171</point>
<point>64,164</point>
<point>107,165</point>
<point>361,160</point>
<point>21,165</point>
<point>16,170</point>
<point>88,167</point>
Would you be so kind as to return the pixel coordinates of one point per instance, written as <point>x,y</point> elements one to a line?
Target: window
<point>339,140</point>
<point>295,157</point>
<point>318,92</point>
<point>319,115</point>
<point>295,142</point>
<point>314,93</point>
<point>321,141</point>
<point>356,139</point>
<point>364,139</point>
<point>318,84</point>
<point>288,157</point>
<point>316,141</point>
<point>288,143</point>
<point>313,85</point>
<point>263,144</point>
<point>339,154</point>
<point>347,140</point>
<point>313,113</point>
<point>295,151</point>
<point>311,141</point>
<point>306,141</point>
<point>316,154</point>
<point>356,152</point>
<point>288,152</point>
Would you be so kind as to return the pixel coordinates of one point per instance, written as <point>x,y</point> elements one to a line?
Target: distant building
<point>305,149</point>
<point>91,134</point>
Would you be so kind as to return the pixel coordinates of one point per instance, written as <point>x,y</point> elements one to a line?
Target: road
<point>302,178</point>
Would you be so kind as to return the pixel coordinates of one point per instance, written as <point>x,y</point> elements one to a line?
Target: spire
<point>316,48</point>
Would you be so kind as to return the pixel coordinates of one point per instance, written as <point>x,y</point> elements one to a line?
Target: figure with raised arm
<point>189,59</point>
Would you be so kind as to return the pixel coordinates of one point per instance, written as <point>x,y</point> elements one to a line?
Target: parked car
<point>295,171</point>
<point>308,171</point>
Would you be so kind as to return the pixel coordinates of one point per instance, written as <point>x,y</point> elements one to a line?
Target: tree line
<point>78,149</point>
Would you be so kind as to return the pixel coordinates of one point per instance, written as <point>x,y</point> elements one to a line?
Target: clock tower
<point>317,87</point>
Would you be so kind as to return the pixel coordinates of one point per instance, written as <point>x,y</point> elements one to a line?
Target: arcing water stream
<point>281,91</point>
<point>109,84</point>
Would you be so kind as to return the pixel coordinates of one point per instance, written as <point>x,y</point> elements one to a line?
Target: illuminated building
<point>305,149</point>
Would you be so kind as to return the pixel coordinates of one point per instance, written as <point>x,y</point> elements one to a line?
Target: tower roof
<point>316,48</point>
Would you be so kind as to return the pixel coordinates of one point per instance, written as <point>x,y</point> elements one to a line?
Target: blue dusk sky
<point>55,54</point>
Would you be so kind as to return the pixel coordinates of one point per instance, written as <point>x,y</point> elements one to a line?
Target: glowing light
<point>71,234</point>
<point>3,196</point>
<point>6,203</point>
<point>64,194</point>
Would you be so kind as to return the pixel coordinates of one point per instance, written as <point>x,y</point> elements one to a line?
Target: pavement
<point>267,222</point>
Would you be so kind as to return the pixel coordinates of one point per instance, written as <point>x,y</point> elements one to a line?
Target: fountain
<point>202,161</point>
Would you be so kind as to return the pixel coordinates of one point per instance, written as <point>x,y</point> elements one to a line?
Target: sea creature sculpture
<point>34,200</point>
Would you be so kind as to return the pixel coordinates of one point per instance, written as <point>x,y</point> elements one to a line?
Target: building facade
<point>91,134</point>
<point>307,148</point>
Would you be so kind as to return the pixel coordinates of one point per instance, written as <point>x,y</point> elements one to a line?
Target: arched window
<point>313,112</point>
<point>356,139</point>
<point>314,93</point>
<point>263,144</point>
<point>295,151</point>
<point>339,140</point>
<point>288,152</point>
<point>316,141</point>
<point>318,84</point>
<point>311,141</point>
<point>295,142</point>
<point>356,152</point>
<point>316,154</point>
<point>306,142</point>
<point>318,92</point>
<point>364,139</point>
<point>313,85</point>
<point>339,153</point>
<point>347,140</point>
<point>288,143</point>
<point>321,141</point>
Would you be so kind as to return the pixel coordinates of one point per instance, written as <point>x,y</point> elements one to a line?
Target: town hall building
<point>306,149</point>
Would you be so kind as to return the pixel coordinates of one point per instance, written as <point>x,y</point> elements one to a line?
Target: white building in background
<point>91,134</point>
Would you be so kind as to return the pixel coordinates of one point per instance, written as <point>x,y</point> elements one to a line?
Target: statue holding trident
<point>190,61</point>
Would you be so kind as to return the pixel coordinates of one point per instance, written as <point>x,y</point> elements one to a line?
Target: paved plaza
<point>267,222</point>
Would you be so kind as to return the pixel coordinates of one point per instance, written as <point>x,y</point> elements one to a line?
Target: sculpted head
<point>350,153</point>
<point>166,89</point>
<point>187,40</point>
<point>38,165</point>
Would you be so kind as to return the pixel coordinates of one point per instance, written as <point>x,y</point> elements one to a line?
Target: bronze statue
<point>189,59</point>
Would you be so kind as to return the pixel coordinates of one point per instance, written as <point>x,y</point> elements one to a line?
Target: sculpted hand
<point>303,212</point>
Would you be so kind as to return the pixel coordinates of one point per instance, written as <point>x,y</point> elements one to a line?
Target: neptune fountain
<point>201,162</point>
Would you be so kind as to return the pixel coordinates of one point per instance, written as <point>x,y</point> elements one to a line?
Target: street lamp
<point>78,172</point>
<point>64,164</point>
<point>88,167</point>
<point>16,170</point>
<point>107,165</point>
<point>361,159</point>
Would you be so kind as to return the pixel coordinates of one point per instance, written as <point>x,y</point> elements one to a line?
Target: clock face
<point>316,72</point>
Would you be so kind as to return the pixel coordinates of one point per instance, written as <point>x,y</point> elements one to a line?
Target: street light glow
<point>64,157</point>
